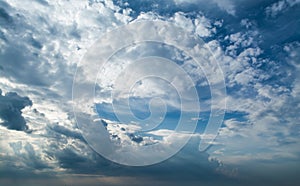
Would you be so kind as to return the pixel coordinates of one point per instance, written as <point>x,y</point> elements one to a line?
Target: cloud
<point>269,124</point>
<point>41,43</point>
<point>186,167</point>
<point>11,105</point>
<point>226,5</point>
<point>38,57</point>
<point>47,56</point>
<point>280,7</point>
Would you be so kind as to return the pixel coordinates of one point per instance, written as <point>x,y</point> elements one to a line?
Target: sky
<point>174,92</point>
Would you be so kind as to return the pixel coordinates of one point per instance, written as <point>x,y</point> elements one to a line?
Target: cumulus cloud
<point>11,105</point>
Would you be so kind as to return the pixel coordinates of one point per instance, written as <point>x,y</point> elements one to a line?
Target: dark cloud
<point>4,16</point>
<point>59,129</point>
<point>189,166</point>
<point>11,105</point>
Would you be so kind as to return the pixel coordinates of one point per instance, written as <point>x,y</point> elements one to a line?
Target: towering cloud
<point>11,105</point>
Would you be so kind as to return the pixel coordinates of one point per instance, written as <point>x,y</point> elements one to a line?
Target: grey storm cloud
<point>11,105</point>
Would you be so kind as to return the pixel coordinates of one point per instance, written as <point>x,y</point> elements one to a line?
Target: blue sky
<point>255,43</point>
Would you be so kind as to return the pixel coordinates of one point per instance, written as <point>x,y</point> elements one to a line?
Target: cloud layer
<point>255,42</point>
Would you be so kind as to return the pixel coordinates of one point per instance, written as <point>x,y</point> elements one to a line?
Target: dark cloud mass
<point>11,105</point>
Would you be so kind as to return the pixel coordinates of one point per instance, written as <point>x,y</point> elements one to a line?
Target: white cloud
<point>183,21</point>
<point>280,7</point>
<point>200,25</point>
